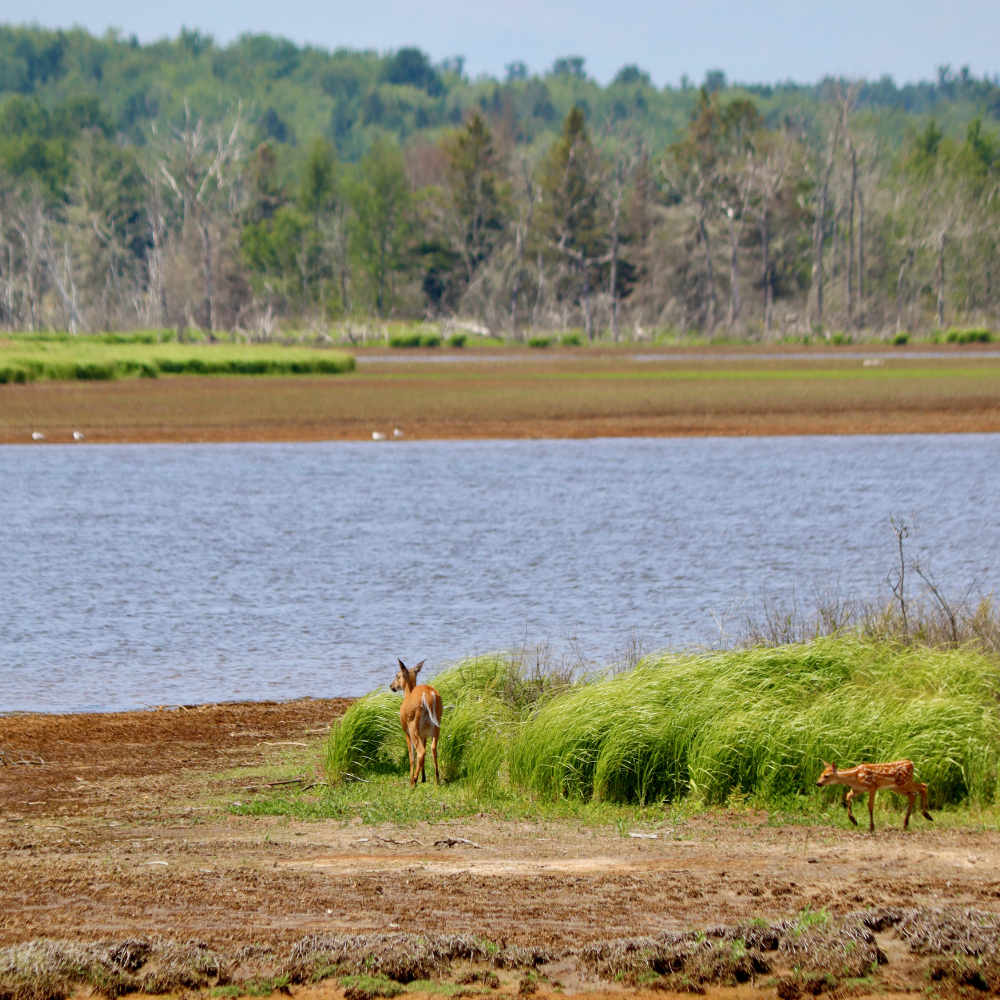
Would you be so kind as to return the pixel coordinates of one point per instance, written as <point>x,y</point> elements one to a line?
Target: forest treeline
<point>264,187</point>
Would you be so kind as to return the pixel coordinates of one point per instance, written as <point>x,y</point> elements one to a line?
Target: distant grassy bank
<point>105,358</point>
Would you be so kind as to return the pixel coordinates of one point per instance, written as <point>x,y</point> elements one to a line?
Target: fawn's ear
<point>416,669</point>
<point>834,766</point>
<point>823,762</point>
<point>402,665</point>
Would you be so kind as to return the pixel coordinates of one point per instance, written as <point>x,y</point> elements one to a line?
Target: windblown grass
<point>484,701</point>
<point>754,723</point>
<point>103,359</point>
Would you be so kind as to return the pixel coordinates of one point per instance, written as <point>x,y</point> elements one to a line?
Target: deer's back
<point>897,772</point>
<point>423,703</point>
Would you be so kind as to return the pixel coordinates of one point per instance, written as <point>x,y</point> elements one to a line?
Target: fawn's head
<point>829,775</point>
<point>406,679</point>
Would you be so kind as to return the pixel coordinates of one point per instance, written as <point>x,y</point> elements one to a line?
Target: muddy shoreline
<point>124,833</point>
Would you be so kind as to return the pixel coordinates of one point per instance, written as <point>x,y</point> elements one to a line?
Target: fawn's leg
<point>847,805</point>
<point>434,751</point>
<point>922,788</point>
<point>871,810</point>
<point>912,796</point>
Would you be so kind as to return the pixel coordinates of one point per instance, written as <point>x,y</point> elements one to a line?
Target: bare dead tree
<point>923,571</point>
<point>204,175</point>
<point>60,266</point>
<point>819,226</point>
<point>736,215</point>
<point>701,203</point>
<point>29,220</point>
<point>520,238</point>
<point>156,216</point>
<point>770,176</point>
<point>853,154</point>
<point>902,530</point>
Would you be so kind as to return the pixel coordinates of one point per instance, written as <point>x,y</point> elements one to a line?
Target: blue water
<point>164,574</point>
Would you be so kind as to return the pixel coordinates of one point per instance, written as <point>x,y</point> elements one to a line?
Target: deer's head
<point>829,775</point>
<point>406,679</point>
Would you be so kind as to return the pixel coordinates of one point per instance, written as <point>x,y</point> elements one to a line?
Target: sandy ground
<point>571,395</point>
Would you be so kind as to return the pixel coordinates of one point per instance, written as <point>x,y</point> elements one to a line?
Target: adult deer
<point>897,777</point>
<point>420,715</point>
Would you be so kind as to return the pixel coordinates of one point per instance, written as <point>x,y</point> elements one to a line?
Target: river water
<point>165,574</point>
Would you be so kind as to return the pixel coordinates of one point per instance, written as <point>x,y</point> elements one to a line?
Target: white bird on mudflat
<point>37,436</point>
<point>378,436</point>
<point>77,436</point>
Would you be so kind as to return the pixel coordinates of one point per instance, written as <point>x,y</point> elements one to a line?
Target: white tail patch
<point>435,722</point>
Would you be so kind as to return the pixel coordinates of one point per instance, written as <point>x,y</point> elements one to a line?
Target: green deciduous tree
<point>381,203</point>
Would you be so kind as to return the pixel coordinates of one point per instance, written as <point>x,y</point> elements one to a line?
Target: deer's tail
<point>429,709</point>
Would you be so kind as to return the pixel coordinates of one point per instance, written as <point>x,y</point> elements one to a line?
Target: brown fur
<point>420,716</point>
<point>896,777</point>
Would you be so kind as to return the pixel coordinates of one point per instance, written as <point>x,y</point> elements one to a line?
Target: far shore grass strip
<point>22,361</point>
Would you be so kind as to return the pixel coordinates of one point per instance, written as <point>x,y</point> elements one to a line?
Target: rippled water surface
<point>155,574</point>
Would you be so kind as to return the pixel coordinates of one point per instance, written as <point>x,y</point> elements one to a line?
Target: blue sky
<point>765,40</point>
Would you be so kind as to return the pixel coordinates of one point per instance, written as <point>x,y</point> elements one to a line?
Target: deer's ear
<point>402,665</point>
<point>416,669</point>
<point>834,766</point>
<point>823,762</point>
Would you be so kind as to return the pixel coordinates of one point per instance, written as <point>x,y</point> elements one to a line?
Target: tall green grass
<point>116,356</point>
<point>752,722</point>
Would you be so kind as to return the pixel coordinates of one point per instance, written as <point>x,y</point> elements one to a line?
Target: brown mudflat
<point>575,394</point>
<point>124,831</point>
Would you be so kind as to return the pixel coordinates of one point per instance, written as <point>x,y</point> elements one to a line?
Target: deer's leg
<point>922,788</point>
<point>417,755</point>
<point>409,750</point>
<point>912,796</point>
<point>871,810</point>
<point>421,751</point>
<point>847,805</point>
<point>434,751</point>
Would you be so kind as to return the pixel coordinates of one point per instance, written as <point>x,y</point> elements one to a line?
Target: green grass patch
<point>100,358</point>
<point>539,341</point>
<point>570,340</point>
<point>404,340</point>
<point>369,987</point>
<point>749,726</point>
<point>978,335</point>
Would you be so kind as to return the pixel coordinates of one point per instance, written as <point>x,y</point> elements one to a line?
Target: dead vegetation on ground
<point>946,948</point>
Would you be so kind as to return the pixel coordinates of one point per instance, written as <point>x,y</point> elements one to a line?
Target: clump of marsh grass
<point>485,698</point>
<point>758,721</point>
<point>367,740</point>
<point>754,721</point>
